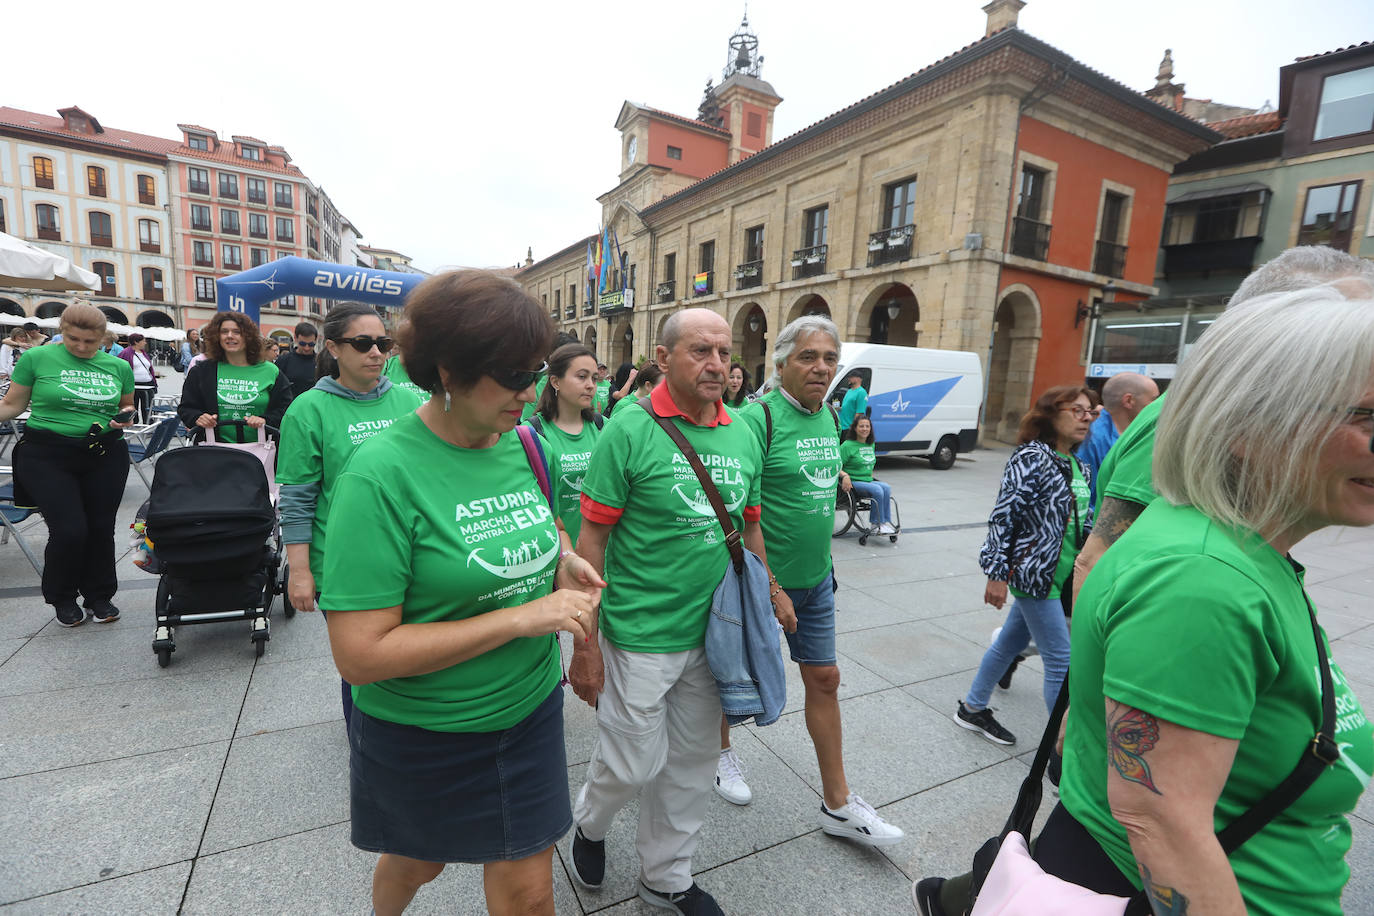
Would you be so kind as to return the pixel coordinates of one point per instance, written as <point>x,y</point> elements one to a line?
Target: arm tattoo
<point>1130,735</point>
<point>1114,516</point>
<point>1165,901</point>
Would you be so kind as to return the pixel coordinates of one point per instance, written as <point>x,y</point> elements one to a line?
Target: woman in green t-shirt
<point>1195,685</point>
<point>351,403</point>
<point>564,416</point>
<point>439,562</point>
<point>857,456</point>
<point>72,462</point>
<point>233,382</point>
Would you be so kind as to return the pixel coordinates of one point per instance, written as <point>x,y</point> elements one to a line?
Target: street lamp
<point>755,322</point>
<point>894,308</point>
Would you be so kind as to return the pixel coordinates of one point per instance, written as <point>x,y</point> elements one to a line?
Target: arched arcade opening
<point>891,315</point>
<point>750,343</point>
<point>1011,363</point>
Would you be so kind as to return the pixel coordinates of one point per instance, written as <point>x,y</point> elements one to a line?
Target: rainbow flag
<point>701,282</point>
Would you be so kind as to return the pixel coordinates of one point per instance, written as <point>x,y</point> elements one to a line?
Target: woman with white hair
<point>1196,682</point>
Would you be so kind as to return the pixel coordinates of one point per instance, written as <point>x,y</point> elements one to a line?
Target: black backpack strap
<point>600,421</point>
<point>537,422</point>
<point>836,417</point>
<point>768,425</point>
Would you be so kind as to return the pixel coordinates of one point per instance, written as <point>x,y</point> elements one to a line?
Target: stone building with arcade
<point>983,203</point>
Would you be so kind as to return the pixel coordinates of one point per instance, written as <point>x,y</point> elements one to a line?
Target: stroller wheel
<point>164,657</point>
<point>259,646</point>
<point>287,608</point>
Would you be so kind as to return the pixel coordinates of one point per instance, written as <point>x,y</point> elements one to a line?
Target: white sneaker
<point>1031,647</point>
<point>886,528</point>
<point>730,784</point>
<point>857,821</point>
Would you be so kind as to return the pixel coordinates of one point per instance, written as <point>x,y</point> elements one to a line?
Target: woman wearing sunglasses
<point>233,382</point>
<point>349,404</point>
<point>440,559</point>
<point>1036,529</point>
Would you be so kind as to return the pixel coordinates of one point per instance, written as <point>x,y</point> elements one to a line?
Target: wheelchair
<point>849,504</point>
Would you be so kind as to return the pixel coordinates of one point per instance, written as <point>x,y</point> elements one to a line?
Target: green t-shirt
<point>602,396</point>
<point>469,535</point>
<point>854,404</point>
<point>528,410</point>
<point>241,392</point>
<point>1126,472</point>
<point>574,454</point>
<point>667,553</point>
<point>1073,534</point>
<point>858,459</point>
<point>394,370</point>
<point>319,434</point>
<point>69,394</point>
<point>801,471</point>
<point>1197,626</point>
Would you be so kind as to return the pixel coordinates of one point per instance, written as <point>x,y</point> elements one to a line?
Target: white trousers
<point>658,736</point>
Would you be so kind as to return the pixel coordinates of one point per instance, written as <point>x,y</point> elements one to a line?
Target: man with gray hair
<point>1124,396</point>
<point>801,470</point>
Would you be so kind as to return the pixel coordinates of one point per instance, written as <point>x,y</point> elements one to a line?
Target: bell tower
<point>743,102</point>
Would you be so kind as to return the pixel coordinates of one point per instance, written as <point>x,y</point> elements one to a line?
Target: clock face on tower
<point>631,149</point>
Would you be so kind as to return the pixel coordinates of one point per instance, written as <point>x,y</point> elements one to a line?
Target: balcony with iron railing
<point>888,246</point>
<point>589,307</point>
<point>1217,255</point>
<point>809,262</point>
<point>666,291</point>
<point>1109,259</point>
<point>198,187</point>
<point>749,274</point>
<point>1030,239</point>
<point>707,287</point>
<point>570,311</point>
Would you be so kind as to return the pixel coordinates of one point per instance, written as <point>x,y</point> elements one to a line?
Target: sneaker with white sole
<point>730,784</point>
<point>982,722</point>
<point>856,820</point>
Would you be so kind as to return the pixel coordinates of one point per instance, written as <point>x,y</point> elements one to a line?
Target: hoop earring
<point>448,401</point>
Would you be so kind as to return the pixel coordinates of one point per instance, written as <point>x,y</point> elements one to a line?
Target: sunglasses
<point>364,344</point>
<point>517,379</point>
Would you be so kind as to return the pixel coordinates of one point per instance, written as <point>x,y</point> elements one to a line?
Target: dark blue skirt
<point>460,796</point>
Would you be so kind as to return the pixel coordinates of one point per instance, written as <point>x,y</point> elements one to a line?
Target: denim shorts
<point>470,797</point>
<point>814,641</point>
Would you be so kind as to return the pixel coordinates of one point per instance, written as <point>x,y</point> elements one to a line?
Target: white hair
<point>1255,401</point>
<point>1303,268</point>
<point>796,330</point>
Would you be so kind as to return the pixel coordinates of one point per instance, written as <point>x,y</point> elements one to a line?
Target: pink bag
<point>1017,886</point>
<point>265,450</point>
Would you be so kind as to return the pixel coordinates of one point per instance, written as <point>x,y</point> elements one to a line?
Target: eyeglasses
<point>1079,413</point>
<point>517,379</point>
<point>1364,413</point>
<point>364,344</point>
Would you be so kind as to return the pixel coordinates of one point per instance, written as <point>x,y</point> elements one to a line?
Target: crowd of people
<point>1143,542</point>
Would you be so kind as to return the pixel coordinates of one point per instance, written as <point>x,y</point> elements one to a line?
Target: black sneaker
<point>588,860</point>
<point>103,611</point>
<point>692,902</point>
<point>984,724</point>
<point>69,614</point>
<point>926,895</point>
<point>1005,681</point>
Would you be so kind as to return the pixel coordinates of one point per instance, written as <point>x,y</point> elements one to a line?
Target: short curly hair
<point>470,323</point>
<point>252,337</point>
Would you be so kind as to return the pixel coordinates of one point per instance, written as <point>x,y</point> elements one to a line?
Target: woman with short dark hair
<point>72,462</point>
<point>145,379</point>
<point>233,382</point>
<point>440,558</point>
<point>1034,533</point>
<point>564,416</point>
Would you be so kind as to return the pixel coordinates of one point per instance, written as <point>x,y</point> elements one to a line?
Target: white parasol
<point>24,266</point>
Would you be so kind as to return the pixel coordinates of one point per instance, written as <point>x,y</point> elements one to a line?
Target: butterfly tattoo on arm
<point>1130,735</point>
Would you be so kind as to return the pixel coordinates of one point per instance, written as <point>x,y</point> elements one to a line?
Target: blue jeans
<point>1042,618</point>
<point>880,495</point>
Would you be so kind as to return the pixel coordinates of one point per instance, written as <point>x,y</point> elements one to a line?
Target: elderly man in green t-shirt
<point>653,534</point>
<point>801,470</point>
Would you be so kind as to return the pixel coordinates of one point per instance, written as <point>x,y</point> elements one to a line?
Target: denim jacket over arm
<point>742,646</point>
<point>1027,527</point>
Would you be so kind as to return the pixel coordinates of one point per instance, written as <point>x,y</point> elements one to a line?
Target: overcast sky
<point>464,133</point>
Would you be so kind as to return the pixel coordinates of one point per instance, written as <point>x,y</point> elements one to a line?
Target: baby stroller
<point>848,505</point>
<point>212,522</point>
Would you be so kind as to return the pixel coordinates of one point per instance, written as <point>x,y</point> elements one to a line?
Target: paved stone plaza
<point>220,784</point>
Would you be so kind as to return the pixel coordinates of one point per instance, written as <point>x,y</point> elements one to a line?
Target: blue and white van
<point>922,402</point>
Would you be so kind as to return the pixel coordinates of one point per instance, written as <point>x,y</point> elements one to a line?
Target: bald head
<point>695,357</point>
<point>1125,395</point>
<point>681,322</point>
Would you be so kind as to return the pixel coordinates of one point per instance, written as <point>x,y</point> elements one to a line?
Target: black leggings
<point>143,402</point>
<point>78,490</point>
<point>1067,850</point>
